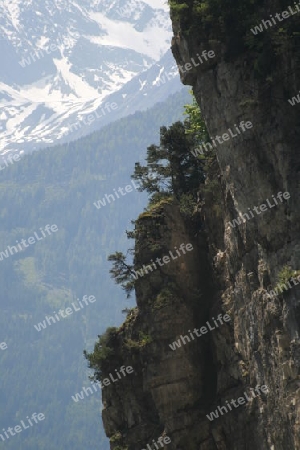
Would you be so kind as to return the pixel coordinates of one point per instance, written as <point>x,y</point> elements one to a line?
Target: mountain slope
<point>42,370</point>
<point>65,60</point>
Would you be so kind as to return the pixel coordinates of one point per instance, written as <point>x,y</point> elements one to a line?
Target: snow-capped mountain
<point>72,66</point>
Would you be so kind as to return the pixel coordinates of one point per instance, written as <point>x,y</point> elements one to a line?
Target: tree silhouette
<point>171,168</point>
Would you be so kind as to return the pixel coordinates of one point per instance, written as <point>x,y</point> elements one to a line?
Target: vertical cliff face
<point>265,160</point>
<point>231,268</point>
<point>169,390</point>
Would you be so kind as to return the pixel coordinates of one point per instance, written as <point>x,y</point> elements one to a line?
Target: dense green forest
<point>60,186</point>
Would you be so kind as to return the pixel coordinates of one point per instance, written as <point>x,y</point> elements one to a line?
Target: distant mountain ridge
<point>65,60</point>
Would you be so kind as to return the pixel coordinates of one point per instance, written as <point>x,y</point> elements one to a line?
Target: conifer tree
<point>122,272</point>
<point>171,168</point>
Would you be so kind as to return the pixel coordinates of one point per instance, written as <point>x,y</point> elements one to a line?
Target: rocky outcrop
<point>231,268</point>
<point>168,391</point>
<point>263,347</point>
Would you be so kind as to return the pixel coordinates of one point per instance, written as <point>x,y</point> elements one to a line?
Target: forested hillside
<point>60,186</point>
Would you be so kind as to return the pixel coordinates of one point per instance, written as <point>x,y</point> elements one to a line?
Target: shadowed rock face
<point>264,339</point>
<point>171,392</point>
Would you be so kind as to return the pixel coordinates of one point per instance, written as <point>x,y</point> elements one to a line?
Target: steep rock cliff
<point>252,167</point>
<point>231,268</point>
<point>168,391</point>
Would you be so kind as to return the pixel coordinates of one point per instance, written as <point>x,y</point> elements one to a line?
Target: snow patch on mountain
<point>65,59</point>
<point>124,35</point>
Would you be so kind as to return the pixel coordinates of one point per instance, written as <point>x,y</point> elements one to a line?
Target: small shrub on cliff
<point>167,296</point>
<point>116,437</point>
<point>102,351</point>
<point>128,311</point>
<point>196,127</point>
<point>188,206</point>
<point>194,122</point>
<point>177,9</point>
<point>285,275</point>
<point>210,191</point>
<point>144,339</point>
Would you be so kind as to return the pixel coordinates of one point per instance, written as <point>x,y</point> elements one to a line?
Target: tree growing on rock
<point>171,168</point>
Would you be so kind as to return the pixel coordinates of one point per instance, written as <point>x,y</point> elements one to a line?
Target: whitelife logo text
<point>65,42</point>
<point>162,441</point>
<point>189,65</point>
<point>18,428</point>
<point>3,345</point>
<point>279,17</point>
<point>31,240</point>
<point>236,403</point>
<point>92,117</point>
<point>281,286</point>
<point>128,188</point>
<point>106,382</point>
<point>294,100</point>
<point>199,332</point>
<point>263,207</point>
<point>65,312</point>
<point>9,160</point>
<point>166,260</point>
<point>243,126</point>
